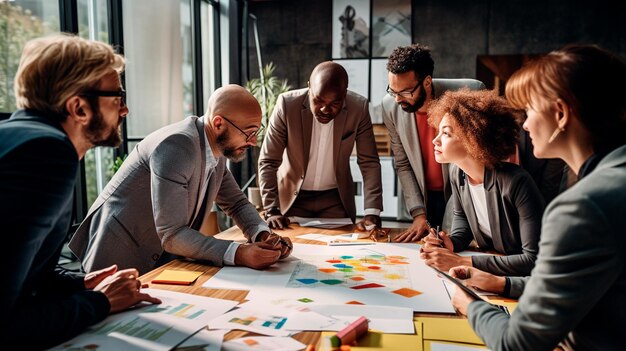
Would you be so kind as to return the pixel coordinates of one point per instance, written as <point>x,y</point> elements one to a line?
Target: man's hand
<point>415,232</point>
<point>123,289</point>
<point>94,278</point>
<point>259,255</point>
<point>474,277</point>
<point>282,243</point>
<point>369,222</point>
<point>444,241</point>
<point>442,258</point>
<point>278,222</point>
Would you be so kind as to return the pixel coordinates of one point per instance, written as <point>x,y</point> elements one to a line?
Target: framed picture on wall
<point>351,29</point>
<point>378,88</point>
<point>358,77</point>
<point>391,26</point>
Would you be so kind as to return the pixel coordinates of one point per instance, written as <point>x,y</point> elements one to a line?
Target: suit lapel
<point>492,194</point>
<point>307,127</point>
<point>338,132</point>
<point>200,196</point>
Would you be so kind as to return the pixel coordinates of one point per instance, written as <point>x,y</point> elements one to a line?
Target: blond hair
<point>54,68</point>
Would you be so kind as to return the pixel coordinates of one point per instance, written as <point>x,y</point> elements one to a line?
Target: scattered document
<point>327,223</point>
<point>270,343</point>
<point>257,319</point>
<point>170,276</point>
<point>205,340</point>
<point>152,327</point>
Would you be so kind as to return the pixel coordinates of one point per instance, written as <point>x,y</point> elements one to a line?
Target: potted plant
<point>265,89</point>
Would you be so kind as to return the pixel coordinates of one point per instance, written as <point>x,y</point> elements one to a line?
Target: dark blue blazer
<point>39,306</point>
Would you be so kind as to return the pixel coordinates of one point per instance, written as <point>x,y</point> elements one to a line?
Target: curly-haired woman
<point>496,203</point>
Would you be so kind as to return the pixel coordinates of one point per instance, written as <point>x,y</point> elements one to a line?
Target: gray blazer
<point>405,144</point>
<point>149,205</point>
<point>284,156</point>
<point>577,291</point>
<point>514,205</point>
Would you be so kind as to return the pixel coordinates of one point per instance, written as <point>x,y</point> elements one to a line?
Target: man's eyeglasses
<point>405,94</point>
<point>249,137</point>
<point>97,93</point>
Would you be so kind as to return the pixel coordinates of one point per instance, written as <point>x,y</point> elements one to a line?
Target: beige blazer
<point>284,155</point>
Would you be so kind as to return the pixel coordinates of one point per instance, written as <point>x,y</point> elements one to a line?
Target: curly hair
<point>488,127</point>
<point>411,58</point>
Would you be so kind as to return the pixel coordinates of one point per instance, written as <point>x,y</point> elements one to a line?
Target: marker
<point>346,243</point>
<point>355,330</point>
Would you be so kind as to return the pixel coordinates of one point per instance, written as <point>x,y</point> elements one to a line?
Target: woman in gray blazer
<point>575,100</point>
<point>496,203</point>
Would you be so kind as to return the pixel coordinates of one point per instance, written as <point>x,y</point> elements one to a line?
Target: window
<point>93,24</point>
<point>21,21</point>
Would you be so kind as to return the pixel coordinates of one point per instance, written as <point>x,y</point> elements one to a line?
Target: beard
<point>228,151</point>
<point>99,134</point>
<point>411,108</point>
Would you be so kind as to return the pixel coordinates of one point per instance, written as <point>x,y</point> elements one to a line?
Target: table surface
<point>233,233</point>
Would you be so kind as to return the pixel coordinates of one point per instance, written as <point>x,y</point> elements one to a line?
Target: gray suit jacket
<point>577,291</point>
<point>405,144</point>
<point>149,205</point>
<point>515,207</point>
<point>284,156</point>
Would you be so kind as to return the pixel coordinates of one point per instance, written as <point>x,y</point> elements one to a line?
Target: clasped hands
<point>264,252</point>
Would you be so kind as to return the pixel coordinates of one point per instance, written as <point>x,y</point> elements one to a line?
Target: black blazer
<point>515,208</point>
<point>38,166</point>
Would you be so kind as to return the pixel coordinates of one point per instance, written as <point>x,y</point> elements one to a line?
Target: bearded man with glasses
<point>153,208</point>
<point>424,182</point>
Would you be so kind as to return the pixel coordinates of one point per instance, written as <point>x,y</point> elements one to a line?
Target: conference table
<point>233,233</point>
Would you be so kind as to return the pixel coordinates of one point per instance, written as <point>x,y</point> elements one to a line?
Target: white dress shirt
<point>320,172</point>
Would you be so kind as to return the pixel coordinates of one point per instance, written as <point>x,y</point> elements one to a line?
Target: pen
<point>342,243</point>
<point>284,242</point>
<point>438,237</point>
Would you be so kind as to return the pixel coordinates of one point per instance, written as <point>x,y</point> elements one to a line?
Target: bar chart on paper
<point>151,327</point>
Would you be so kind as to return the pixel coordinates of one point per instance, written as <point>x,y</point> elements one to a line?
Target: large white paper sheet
<point>152,327</point>
<point>381,274</point>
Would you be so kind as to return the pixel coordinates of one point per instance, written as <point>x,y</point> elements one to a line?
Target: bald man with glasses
<point>425,184</point>
<point>152,209</point>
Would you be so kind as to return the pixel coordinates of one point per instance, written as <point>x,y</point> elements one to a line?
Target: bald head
<point>236,103</point>
<point>329,76</point>
<point>328,86</point>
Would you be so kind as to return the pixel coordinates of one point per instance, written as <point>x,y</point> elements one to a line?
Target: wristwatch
<point>272,212</point>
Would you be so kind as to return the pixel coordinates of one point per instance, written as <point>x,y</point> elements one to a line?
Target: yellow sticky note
<point>169,276</point>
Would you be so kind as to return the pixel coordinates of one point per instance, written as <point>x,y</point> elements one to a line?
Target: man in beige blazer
<point>425,183</point>
<point>304,165</point>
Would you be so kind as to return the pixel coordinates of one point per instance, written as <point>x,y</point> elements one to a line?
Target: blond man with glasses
<point>70,99</point>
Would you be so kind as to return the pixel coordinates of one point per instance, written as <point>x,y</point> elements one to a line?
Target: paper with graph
<point>381,274</point>
<point>151,327</point>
